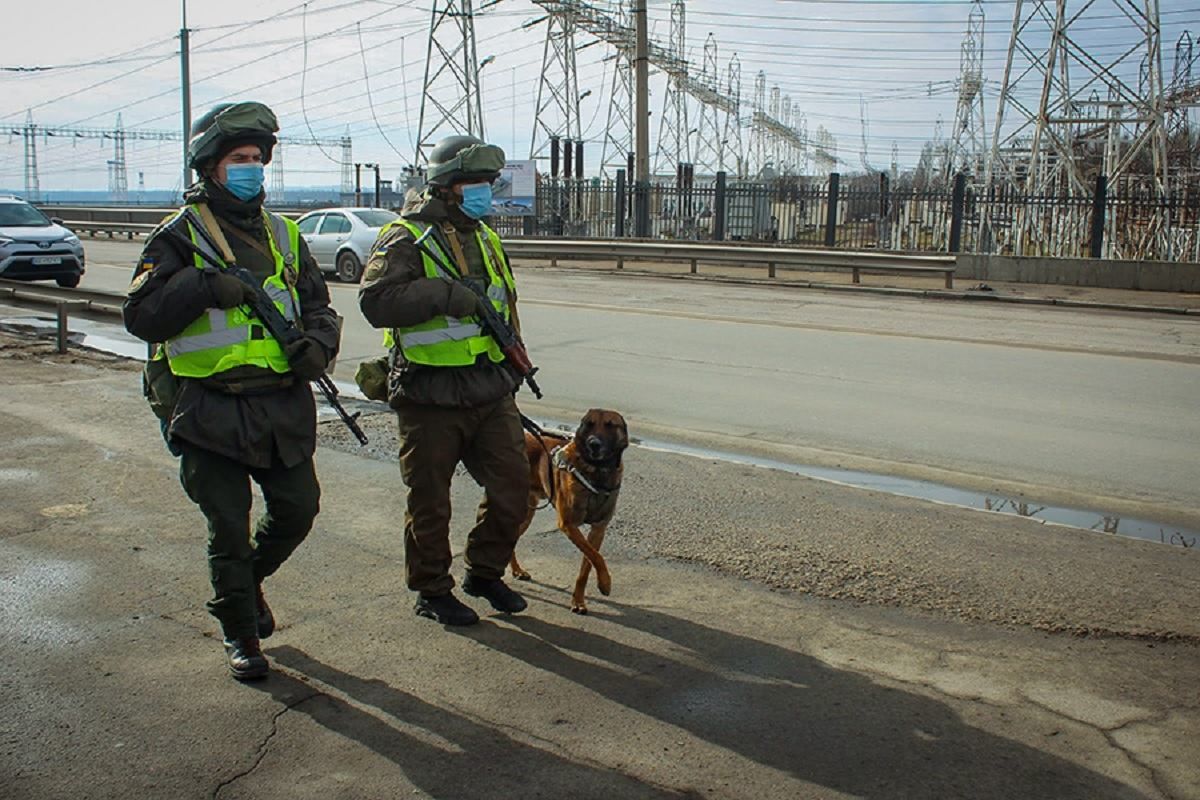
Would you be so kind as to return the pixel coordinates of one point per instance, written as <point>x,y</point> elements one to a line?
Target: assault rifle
<point>490,321</point>
<point>263,307</point>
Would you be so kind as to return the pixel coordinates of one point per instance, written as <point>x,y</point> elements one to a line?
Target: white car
<point>340,239</point>
<point>35,248</point>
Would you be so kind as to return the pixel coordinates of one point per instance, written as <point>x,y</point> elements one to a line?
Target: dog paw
<point>605,583</point>
<point>578,608</point>
<point>522,576</point>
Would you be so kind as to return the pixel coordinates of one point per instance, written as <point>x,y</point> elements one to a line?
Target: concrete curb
<point>935,294</point>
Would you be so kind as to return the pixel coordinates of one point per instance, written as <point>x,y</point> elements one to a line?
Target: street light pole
<point>185,92</point>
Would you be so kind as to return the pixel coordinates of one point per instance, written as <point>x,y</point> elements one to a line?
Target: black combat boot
<point>495,592</point>
<point>246,659</point>
<point>263,616</point>
<point>446,609</point>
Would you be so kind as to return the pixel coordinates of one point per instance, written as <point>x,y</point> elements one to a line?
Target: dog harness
<point>602,503</point>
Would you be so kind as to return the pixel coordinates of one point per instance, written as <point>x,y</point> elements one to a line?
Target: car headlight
<point>4,241</point>
<point>71,239</point>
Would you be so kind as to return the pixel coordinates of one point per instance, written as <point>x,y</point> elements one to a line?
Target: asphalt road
<point>1083,407</point>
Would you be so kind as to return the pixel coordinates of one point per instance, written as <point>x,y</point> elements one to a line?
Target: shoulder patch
<point>139,280</point>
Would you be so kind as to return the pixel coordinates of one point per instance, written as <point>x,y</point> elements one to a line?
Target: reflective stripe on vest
<point>219,340</point>
<point>448,341</point>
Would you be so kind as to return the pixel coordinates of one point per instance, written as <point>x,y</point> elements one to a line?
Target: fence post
<point>641,210</point>
<point>619,205</point>
<point>831,211</point>
<point>1099,202</point>
<point>957,202</point>
<point>718,231</point>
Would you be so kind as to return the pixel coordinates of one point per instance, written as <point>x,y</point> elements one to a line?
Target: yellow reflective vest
<point>446,341</point>
<point>221,339</point>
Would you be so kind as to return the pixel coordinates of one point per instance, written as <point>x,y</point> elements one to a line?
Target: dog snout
<point>595,446</point>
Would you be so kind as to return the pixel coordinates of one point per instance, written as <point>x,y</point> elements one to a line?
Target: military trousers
<point>490,443</point>
<point>238,562</point>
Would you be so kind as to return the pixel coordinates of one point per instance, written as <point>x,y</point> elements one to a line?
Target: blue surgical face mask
<point>476,200</point>
<point>244,181</point>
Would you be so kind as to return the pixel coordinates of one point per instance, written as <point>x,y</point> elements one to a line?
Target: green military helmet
<point>463,159</point>
<point>230,125</point>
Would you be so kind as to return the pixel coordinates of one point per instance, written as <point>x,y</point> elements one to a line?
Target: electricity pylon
<point>450,101</point>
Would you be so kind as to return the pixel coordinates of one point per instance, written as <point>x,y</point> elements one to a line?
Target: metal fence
<point>864,212</point>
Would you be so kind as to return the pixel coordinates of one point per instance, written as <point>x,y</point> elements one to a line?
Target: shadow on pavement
<point>790,712</point>
<point>481,763</point>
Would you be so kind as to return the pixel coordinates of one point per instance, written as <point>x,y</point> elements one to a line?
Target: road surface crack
<point>261,752</point>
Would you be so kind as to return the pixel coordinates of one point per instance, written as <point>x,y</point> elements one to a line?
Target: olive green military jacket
<point>396,293</point>
<point>247,414</point>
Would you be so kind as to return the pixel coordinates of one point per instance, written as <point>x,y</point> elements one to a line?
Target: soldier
<point>235,405</point>
<point>450,387</point>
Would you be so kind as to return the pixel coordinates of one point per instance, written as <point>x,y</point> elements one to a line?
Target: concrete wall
<point>1157,276</point>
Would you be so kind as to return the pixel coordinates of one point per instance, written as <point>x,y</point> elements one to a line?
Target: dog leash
<point>540,435</point>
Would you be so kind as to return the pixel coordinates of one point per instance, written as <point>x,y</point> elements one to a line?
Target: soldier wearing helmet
<point>235,406</point>
<point>451,389</point>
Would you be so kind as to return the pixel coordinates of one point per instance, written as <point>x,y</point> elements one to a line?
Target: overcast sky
<point>897,59</point>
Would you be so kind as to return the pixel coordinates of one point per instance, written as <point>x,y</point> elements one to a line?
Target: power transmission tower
<point>777,145</point>
<point>825,155</point>
<point>556,114</point>
<point>118,182</point>
<point>347,146</point>
<point>967,144</point>
<point>117,167</point>
<point>450,101</point>
<point>762,134</point>
<point>769,132</point>
<point>732,153</point>
<point>865,123</point>
<point>618,133</point>
<point>673,138</point>
<point>277,188</point>
<point>1183,93</point>
<point>709,150</point>
<point>1052,79</point>
<point>33,187</point>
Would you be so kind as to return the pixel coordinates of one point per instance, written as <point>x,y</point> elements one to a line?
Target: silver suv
<point>34,247</point>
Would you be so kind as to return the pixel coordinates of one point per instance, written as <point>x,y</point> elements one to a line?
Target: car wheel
<point>69,282</point>
<point>348,268</point>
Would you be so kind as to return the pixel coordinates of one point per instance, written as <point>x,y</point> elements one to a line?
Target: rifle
<point>490,321</point>
<point>264,308</point>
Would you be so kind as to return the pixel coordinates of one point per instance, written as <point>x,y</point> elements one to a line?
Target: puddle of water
<point>1099,521</point>
<point>82,333</point>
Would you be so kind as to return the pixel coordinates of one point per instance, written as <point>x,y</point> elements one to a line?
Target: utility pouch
<point>372,378</point>
<point>160,387</point>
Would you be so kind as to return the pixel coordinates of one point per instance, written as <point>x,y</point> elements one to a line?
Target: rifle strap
<point>214,230</point>
<point>460,258</point>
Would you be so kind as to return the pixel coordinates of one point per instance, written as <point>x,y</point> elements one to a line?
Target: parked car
<point>34,247</point>
<point>340,239</point>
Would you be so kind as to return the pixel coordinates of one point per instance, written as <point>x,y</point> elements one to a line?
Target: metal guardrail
<point>621,251</point>
<point>140,221</point>
<point>64,301</point>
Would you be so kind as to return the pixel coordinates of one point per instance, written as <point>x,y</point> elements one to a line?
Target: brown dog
<point>581,477</point>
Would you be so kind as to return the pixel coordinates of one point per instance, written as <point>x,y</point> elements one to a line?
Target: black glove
<point>307,358</point>
<point>228,291</point>
<point>462,302</point>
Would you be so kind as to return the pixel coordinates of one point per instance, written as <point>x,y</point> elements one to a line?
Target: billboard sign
<point>514,192</point>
